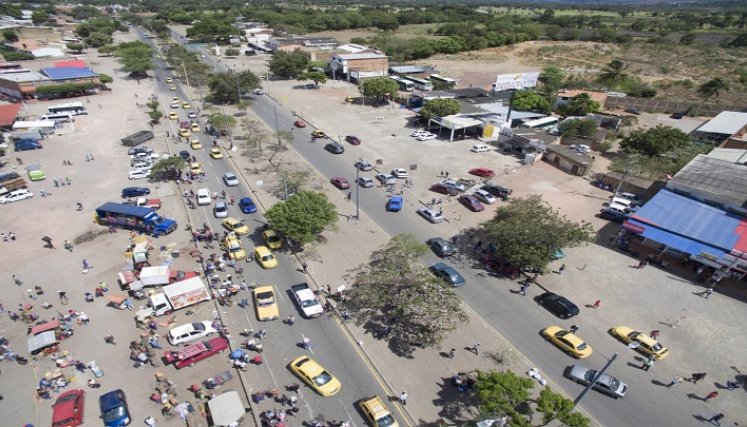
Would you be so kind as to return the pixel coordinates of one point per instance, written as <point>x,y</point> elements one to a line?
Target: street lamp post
<point>267,78</point>
<point>358,191</point>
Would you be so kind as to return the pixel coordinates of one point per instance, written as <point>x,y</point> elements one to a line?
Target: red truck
<point>192,354</point>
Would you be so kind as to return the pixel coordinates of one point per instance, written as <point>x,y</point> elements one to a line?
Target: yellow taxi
<point>232,246</point>
<point>215,153</point>
<point>196,168</point>
<point>318,134</point>
<point>376,412</point>
<point>196,144</point>
<point>173,116</point>
<point>349,99</point>
<point>644,344</point>
<point>567,341</point>
<point>273,239</point>
<point>186,106</point>
<point>235,225</point>
<point>169,80</point>
<point>172,88</point>
<point>184,133</point>
<point>315,376</point>
<point>264,257</point>
<point>265,303</point>
<point>195,128</point>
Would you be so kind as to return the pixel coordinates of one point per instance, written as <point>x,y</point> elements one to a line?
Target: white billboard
<point>515,81</point>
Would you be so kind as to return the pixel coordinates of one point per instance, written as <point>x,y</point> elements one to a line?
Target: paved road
<point>330,345</point>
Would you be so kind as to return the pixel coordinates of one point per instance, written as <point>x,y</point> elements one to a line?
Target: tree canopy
<point>580,105</point>
<point>395,290</point>
<point>211,29</point>
<point>135,57</point>
<point>440,107</point>
<point>379,87</point>
<point>302,217</point>
<point>168,168</point>
<point>712,88</point>
<point>655,141</point>
<point>288,65</point>
<point>529,100</point>
<point>225,87</point>
<point>614,73</point>
<point>578,128</point>
<point>315,76</point>
<point>527,232</point>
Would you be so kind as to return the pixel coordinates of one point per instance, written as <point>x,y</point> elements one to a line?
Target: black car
<point>498,191</point>
<point>335,148</point>
<point>27,144</point>
<point>184,154</point>
<point>135,191</point>
<point>441,247</point>
<point>134,150</point>
<point>558,304</point>
<point>677,116</point>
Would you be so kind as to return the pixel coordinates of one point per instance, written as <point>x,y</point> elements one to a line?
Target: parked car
<point>485,197</point>
<point>419,132</point>
<point>386,178</point>
<point>184,154</point>
<point>258,91</point>
<point>394,204</point>
<point>138,174</point>
<point>644,344</point>
<point>353,140</point>
<point>27,144</point>
<point>340,183</point>
<point>455,185</point>
<point>247,206</point>
<point>135,150</point>
<point>376,412</point>
<point>190,331</point>
<point>677,116</point>
<point>114,409</point>
<point>69,409</point>
<point>629,196</point>
<point>365,182</point>
<point>194,353</point>
<point>230,179</point>
<point>318,134</point>
<point>614,213</point>
<point>299,124</point>
<point>497,191</point>
<point>471,203</point>
<point>480,148</point>
<point>605,383</point>
<point>220,210</point>
<point>442,189</point>
<point>482,172</point>
<point>431,215</point>
<point>559,305</point>
<point>441,247</point>
<point>363,166</point>
<point>400,173</point>
<point>448,274</point>
<point>334,148</point>
<point>135,192</point>
<point>427,137</point>
<point>16,195</point>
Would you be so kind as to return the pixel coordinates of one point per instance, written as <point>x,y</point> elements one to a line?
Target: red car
<point>192,354</point>
<point>353,140</point>
<point>299,124</point>
<point>340,183</point>
<point>483,172</point>
<point>471,203</point>
<point>441,188</point>
<point>68,409</point>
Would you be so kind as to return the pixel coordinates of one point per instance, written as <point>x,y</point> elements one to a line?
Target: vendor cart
<point>45,343</point>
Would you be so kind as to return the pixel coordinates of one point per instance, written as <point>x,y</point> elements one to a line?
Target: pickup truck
<point>307,301</point>
<point>154,204</point>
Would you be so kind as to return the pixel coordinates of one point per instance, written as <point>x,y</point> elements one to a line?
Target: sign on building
<point>515,81</point>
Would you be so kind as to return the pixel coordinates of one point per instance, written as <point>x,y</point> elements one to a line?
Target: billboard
<point>515,81</point>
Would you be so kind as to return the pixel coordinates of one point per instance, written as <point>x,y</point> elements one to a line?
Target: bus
<point>74,108</point>
<point>404,85</point>
<point>548,122</point>
<point>442,81</point>
<point>419,83</point>
<point>59,117</point>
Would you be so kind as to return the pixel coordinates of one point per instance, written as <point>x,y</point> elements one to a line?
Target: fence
<point>663,106</point>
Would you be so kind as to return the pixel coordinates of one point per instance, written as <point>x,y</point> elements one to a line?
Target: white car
<point>480,148</point>
<point>431,215</point>
<point>363,166</point>
<point>190,332</point>
<point>230,179</point>
<point>146,156</point>
<point>258,91</point>
<point>630,196</point>
<point>139,173</point>
<point>175,104</point>
<point>203,197</point>
<point>420,133</point>
<point>485,197</point>
<point>220,210</point>
<point>426,137</point>
<point>399,173</point>
<point>453,184</point>
<point>386,178</point>
<point>365,182</point>
<point>16,195</point>
<point>192,115</point>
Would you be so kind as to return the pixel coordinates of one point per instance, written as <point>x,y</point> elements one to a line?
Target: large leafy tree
<point>135,57</point>
<point>379,87</point>
<point>395,290</point>
<point>578,128</point>
<point>580,105</point>
<point>10,35</point>
<point>315,76</point>
<point>527,232</point>
<point>655,141</point>
<point>529,100</point>
<point>552,78</point>
<point>225,87</point>
<point>712,88</point>
<point>555,406</point>
<point>440,107</point>
<point>168,168</point>
<point>211,29</point>
<point>302,217</point>
<point>614,73</point>
<point>288,65</point>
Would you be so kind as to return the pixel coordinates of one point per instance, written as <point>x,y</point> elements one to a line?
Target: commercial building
<point>726,130</point>
<point>357,66</point>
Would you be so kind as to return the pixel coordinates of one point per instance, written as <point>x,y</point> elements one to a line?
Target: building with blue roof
<point>70,74</point>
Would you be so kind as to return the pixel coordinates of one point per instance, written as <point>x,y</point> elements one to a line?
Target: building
<point>357,66</point>
<point>284,44</point>
<point>567,96</point>
<point>568,159</point>
<point>726,130</point>
<point>320,42</point>
<point>714,181</point>
<point>71,75</point>
<point>9,114</point>
<point>21,83</point>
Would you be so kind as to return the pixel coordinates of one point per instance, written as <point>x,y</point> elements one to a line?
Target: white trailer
<point>179,295</point>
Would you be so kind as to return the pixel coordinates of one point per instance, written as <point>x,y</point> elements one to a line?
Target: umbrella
<point>237,354</point>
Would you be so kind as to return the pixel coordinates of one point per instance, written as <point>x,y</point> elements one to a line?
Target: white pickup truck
<point>307,300</point>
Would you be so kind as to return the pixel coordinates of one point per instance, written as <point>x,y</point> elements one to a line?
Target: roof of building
<point>595,96</point>
<point>723,181</point>
<point>407,69</point>
<point>727,122</point>
<point>352,48</point>
<point>470,92</point>
<point>22,76</point>
<point>733,155</point>
<point>48,51</point>
<point>66,73</point>
<point>317,40</point>
<point>569,153</point>
<point>74,63</point>
<point>690,226</point>
<point>354,56</point>
<point>8,113</point>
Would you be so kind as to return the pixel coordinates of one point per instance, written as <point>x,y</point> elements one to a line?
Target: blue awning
<point>674,241</point>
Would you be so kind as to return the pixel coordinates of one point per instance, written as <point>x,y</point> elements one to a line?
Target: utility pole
<point>594,380</point>
<point>267,78</point>
<point>358,191</point>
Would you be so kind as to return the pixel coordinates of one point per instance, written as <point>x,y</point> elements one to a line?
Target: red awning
<point>75,63</point>
<point>9,113</point>
<point>49,326</point>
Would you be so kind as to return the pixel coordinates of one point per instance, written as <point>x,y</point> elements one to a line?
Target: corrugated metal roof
<point>77,63</point>
<point>353,56</point>
<point>407,69</point>
<point>691,226</point>
<point>727,123</point>
<point>22,76</point>
<point>8,113</point>
<point>65,73</point>
<point>713,179</point>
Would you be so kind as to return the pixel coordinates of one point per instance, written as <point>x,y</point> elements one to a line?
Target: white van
<point>480,148</point>
<point>59,117</point>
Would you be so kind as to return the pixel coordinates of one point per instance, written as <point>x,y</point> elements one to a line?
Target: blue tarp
<point>67,73</point>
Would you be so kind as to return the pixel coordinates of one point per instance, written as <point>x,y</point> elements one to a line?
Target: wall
<point>663,106</point>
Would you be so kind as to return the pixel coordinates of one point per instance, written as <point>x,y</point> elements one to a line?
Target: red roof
<point>8,113</point>
<point>74,63</point>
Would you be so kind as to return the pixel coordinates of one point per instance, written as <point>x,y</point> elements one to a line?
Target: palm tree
<point>581,105</point>
<point>613,73</point>
<point>712,88</point>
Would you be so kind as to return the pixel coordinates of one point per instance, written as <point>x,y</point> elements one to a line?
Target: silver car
<point>432,215</point>
<point>607,384</point>
<point>230,179</point>
<point>220,210</point>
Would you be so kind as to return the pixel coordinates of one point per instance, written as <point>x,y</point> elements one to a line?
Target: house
<point>568,159</point>
<point>285,44</point>
<point>320,42</point>
<point>727,130</point>
<point>21,83</point>
<point>46,52</point>
<point>71,75</point>
<point>357,66</point>
<point>9,114</point>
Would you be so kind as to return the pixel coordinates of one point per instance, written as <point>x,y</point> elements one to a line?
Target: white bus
<point>447,82</point>
<point>74,108</point>
<point>548,122</point>
<point>419,83</point>
<point>59,117</point>
<point>404,85</point>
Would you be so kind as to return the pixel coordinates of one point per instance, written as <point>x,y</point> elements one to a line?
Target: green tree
<point>501,393</point>
<point>39,16</point>
<point>395,286</point>
<point>302,217</point>
<point>105,78</point>
<point>655,141</point>
<point>552,405</point>
<point>738,41</point>
<point>99,39</point>
<point>135,58</point>
<point>288,65</point>
<point>231,51</point>
<point>614,73</point>
<point>580,105</point>
<point>529,100</point>
<point>82,13</point>
<point>314,76</point>
<point>552,78</point>
<point>168,168</point>
<point>578,128</point>
<point>211,29</point>
<point>440,107</point>
<point>379,87</point>
<point>10,35</point>
<point>527,232</point>
<point>687,39</point>
<point>75,47</point>
<point>225,87</point>
<point>712,88</point>
<point>107,50</point>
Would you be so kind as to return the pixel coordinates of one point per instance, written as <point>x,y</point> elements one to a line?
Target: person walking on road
<point>715,419</point>
<point>109,339</point>
<point>647,364</point>
<point>291,320</point>
<point>476,348</point>
<point>561,269</point>
<point>403,398</point>
<point>574,328</point>
<point>17,280</point>
<point>596,304</point>
<point>710,396</point>
<point>306,343</point>
<point>304,268</point>
<point>451,353</point>
<point>654,334</point>
<point>697,377</point>
<point>675,380</point>
<point>523,289</point>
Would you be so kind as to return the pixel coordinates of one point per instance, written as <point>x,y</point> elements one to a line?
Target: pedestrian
<point>12,236</point>
<point>451,353</point>
<point>697,377</point>
<point>706,293</point>
<point>654,334</point>
<point>561,269</point>
<point>523,289</point>
<point>17,280</point>
<point>291,320</point>
<point>596,304</point>
<point>710,396</point>
<point>476,347</point>
<point>109,339</point>
<point>292,401</point>
<point>715,419</point>
<point>153,341</point>
<point>403,398</point>
<point>647,364</point>
<point>304,268</point>
<point>83,317</point>
<point>306,343</point>
<point>329,289</point>
<point>574,328</point>
<point>31,294</point>
<point>150,422</point>
<point>441,174</point>
<point>167,134</point>
<point>86,265</point>
<point>675,380</point>
<point>641,264</point>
